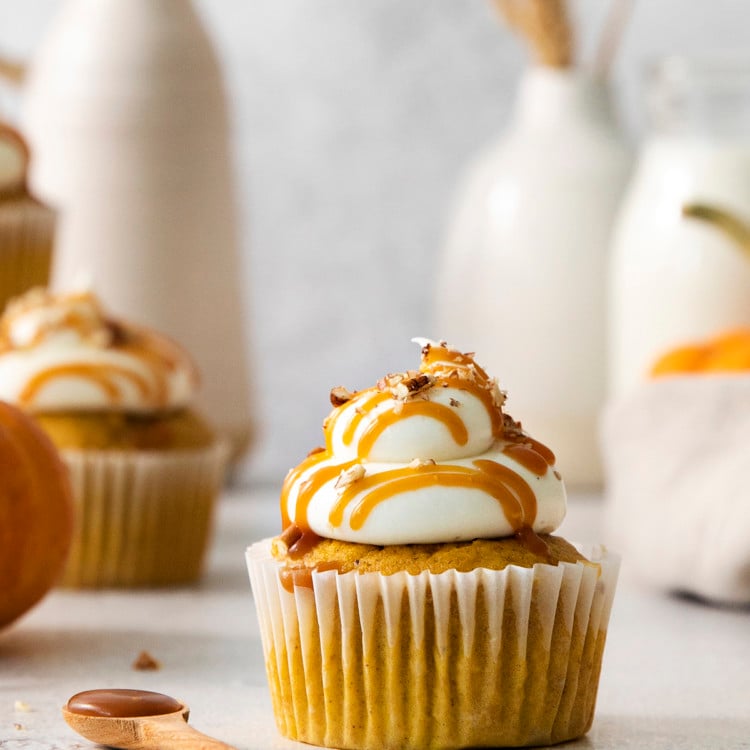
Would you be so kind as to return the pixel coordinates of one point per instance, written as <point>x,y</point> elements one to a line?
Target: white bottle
<point>679,273</point>
<point>523,277</point>
<point>126,113</point>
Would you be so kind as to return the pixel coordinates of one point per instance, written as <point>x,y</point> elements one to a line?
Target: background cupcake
<point>115,399</point>
<point>416,563</point>
<point>27,227</point>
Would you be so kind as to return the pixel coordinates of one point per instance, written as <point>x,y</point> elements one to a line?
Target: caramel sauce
<point>310,486</point>
<point>436,358</point>
<point>122,703</point>
<point>361,410</point>
<point>299,541</point>
<point>525,455</point>
<point>534,543</point>
<point>101,375</point>
<point>485,396</point>
<point>439,412</point>
<point>292,477</point>
<point>515,484</point>
<point>539,448</point>
<point>514,495</point>
<point>157,353</point>
<point>301,575</point>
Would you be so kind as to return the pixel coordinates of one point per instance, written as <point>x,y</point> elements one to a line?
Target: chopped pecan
<point>340,395</point>
<point>418,463</point>
<point>350,476</point>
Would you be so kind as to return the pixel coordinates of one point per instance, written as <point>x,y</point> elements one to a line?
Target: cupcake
<point>115,400</point>
<point>27,227</point>
<point>416,597</point>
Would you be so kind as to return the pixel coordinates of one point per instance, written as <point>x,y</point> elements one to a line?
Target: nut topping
<point>418,463</point>
<point>340,395</point>
<point>350,476</point>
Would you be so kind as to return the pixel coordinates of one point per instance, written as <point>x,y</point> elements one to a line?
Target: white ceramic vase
<point>126,113</point>
<point>522,280</point>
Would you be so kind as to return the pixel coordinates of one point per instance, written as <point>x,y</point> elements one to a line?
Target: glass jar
<point>680,267</point>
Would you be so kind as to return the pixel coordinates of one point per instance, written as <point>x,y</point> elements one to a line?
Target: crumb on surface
<point>145,662</point>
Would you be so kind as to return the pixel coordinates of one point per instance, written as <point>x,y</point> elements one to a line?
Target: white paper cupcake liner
<point>485,658</point>
<point>143,518</point>
<point>26,239</point>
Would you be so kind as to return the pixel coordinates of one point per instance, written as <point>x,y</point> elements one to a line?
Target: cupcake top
<point>424,456</point>
<point>61,353</point>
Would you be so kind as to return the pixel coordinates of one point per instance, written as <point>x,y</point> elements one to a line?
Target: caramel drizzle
<point>361,410</point>
<point>430,409</point>
<point>511,491</point>
<point>310,486</point>
<point>532,455</point>
<point>484,395</point>
<point>156,353</point>
<point>70,319</point>
<point>291,480</point>
<point>102,376</point>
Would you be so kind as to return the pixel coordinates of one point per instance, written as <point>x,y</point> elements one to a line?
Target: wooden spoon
<point>135,720</point>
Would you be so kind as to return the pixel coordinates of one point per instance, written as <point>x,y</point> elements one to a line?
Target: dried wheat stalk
<point>546,27</point>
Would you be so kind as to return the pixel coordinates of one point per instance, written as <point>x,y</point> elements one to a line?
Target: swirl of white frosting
<point>426,456</point>
<point>61,353</point>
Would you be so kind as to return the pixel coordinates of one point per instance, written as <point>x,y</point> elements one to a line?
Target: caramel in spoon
<point>135,720</point>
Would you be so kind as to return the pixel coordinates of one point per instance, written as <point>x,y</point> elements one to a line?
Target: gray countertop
<point>676,672</point>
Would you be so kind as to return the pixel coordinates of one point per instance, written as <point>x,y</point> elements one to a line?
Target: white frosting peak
<point>61,353</point>
<point>425,456</point>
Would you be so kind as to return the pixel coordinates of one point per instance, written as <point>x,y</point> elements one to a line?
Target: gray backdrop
<point>352,123</point>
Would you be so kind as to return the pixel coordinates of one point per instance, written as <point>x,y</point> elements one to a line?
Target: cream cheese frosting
<point>425,456</point>
<point>62,353</point>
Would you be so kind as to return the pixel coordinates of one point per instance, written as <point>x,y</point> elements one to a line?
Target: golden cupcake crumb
<point>493,554</point>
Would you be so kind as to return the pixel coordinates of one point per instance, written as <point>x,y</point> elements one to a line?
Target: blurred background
<point>352,124</point>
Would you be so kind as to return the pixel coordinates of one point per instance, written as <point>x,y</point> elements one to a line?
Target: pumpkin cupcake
<point>416,597</point>
<point>27,227</point>
<point>115,399</point>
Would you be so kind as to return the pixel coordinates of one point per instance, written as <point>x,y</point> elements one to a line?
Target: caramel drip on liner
<point>440,412</point>
<point>98,374</point>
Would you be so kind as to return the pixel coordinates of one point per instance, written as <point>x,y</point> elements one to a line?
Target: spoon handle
<point>170,734</point>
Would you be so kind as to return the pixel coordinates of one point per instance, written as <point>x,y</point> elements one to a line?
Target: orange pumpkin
<point>728,352</point>
<point>36,514</point>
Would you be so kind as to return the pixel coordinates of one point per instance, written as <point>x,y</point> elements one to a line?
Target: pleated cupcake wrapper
<point>142,518</point>
<point>26,239</point>
<point>485,658</point>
